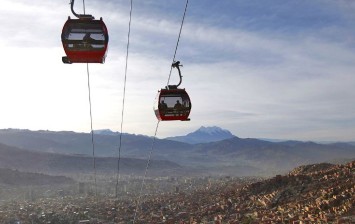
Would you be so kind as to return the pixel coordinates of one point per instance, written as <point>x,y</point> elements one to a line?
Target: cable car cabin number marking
<point>172,104</point>
<point>84,41</point>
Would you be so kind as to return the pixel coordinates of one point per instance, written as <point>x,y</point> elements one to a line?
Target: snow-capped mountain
<point>105,132</point>
<point>204,135</point>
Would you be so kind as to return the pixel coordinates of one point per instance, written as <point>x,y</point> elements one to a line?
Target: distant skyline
<point>261,69</point>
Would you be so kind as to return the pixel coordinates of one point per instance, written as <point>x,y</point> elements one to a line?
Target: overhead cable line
<point>157,126</point>
<point>145,172</point>
<point>123,98</point>
<point>92,130</point>
<point>178,40</point>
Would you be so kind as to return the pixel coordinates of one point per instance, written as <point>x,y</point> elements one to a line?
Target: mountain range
<point>65,150</point>
<point>53,163</point>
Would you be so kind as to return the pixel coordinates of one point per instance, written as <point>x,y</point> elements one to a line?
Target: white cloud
<point>256,83</point>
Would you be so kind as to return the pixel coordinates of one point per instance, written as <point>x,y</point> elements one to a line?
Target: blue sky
<point>267,69</point>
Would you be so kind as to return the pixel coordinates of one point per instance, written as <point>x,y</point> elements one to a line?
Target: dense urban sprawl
<point>321,193</point>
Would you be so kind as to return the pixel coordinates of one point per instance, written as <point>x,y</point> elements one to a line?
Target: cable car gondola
<point>84,40</point>
<point>173,103</point>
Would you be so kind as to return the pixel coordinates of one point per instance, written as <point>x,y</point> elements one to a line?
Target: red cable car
<point>84,40</point>
<point>173,103</point>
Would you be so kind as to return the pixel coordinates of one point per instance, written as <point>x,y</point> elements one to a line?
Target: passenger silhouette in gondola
<point>87,40</point>
<point>178,108</point>
<point>177,105</point>
<point>163,106</point>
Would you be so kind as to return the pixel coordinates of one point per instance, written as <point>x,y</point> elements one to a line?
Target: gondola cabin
<point>172,104</point>
<point>84,41</point>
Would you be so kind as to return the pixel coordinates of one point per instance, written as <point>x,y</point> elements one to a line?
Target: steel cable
<point>157,126</point>
<point>123,98</point>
